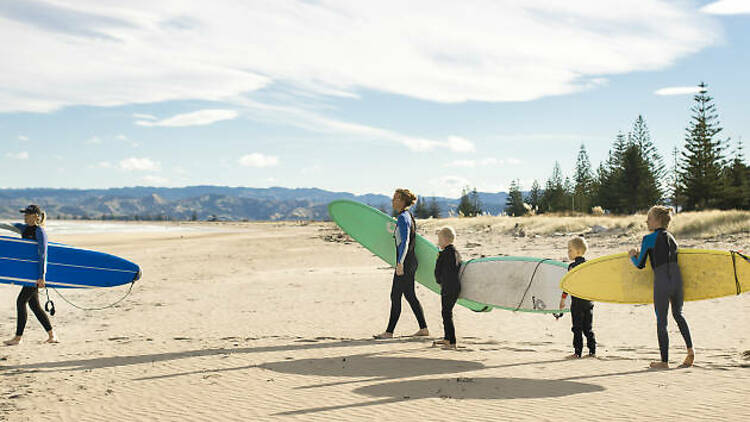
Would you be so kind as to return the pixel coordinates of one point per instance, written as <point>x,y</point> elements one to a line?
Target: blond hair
<point>407,196</point>
<point>447,233</point>
<point>41,219</point>
<point>662,214</point>
<point>578,244</point>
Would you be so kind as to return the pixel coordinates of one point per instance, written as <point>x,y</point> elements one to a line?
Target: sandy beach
<point>273,321</point>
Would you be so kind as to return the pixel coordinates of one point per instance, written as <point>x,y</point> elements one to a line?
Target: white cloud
<point>142,116</point>
<point>258,160</point>
<point>121,137</point>
<point>433,50</point>
<point>484,162</point>
<point>459,144</point>
<point>139,164</point>
<point>678,90</point>
<point>196,118</point>
<point>23,138</point>
<point>449,186</point>
<point>727,7</point>
<point>23,155</point>
<point>319,123</point>
<point>104,165</point>
<point>154,180</point>
<point>94,140</point>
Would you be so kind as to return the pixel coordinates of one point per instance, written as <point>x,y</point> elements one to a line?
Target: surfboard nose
<point>138,276</point>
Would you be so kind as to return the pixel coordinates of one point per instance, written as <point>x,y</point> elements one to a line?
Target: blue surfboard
<point>67,267</point>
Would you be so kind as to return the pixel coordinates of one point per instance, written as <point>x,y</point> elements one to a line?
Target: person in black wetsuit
<point>446,274</point>
<point>581,310</point>
<point>33,229</point>
<point>406,265</point>
<point>661,248</point>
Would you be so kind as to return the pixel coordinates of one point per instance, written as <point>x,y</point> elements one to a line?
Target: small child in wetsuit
<point>581,310</point>
<point>661,248</point>
<point>446,274</point>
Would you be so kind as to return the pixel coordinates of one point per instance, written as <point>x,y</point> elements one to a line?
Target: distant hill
<point>202,203</point>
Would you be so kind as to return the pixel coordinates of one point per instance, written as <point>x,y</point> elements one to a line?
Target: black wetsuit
<point>405,236</point>
<point>661,247</point>
<point>446,274</point>
<point>30,295</point>
<point>582,313</point>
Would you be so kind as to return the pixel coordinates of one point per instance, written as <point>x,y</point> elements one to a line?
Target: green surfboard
<point>374,230</point>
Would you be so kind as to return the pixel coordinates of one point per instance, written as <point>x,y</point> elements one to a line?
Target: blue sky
<point>352,96</point>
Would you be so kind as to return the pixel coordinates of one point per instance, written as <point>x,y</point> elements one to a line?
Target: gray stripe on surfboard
<point>48,283</point>
<point>68,265</point>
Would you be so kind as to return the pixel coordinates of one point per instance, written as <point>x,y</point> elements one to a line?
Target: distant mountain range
<point>203,203</point>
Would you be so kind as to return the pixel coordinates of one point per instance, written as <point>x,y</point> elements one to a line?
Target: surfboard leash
<point>531,280</point>
<point>51,304</point>
<point>734,267</point>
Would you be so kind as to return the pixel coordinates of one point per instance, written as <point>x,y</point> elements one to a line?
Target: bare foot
<point>383,335</point>
<point>573,356</point>
<point>689,359</point>
<point>52,340</point>
<point>449,346</point>
<point>438,343</point>
<point>13,342</point>
<point>659,365</point>
<point>591,355</point>
<point>423,332</point>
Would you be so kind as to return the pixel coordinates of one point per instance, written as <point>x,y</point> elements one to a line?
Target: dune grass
<point>701,224</point>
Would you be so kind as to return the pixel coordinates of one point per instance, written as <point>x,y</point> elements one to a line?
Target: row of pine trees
<point>705,174</point>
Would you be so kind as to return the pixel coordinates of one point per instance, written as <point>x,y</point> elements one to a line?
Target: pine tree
<point>641,136</point>
<point>420,209</point>
<point>469,205</point>
<point>514,203</point>
<point>674,178</point>
<point>737,181</point>
<point>534,196</point>
<point>476,203</point>
<point>700,179</point>
<point>584,180</point>
<point>554,198</point>
<point>434,208</point>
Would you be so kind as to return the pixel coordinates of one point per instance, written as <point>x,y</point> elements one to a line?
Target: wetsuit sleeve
<point>15,227</point>
<point>438,265</point>
<point>646,245</point>
<point>404,228</point>
<point>41,238</point>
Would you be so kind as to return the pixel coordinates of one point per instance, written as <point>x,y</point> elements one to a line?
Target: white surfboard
<point>515,283</point>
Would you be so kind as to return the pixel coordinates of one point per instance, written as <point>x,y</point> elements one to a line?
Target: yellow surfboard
<point>706,274</point>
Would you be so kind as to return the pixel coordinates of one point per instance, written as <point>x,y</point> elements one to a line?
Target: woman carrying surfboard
<point>661,247</point>
<point>406,265</point>
<point>33,229</point>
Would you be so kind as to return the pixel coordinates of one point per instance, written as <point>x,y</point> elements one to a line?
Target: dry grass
<point>703,224</point>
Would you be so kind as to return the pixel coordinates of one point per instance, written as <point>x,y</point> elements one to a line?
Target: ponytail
<point>407,196</point>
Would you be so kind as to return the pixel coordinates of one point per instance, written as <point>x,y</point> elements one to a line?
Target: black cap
<point>32,209</point>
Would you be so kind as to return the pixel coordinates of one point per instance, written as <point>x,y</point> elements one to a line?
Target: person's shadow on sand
<point>461,388</point>
<point>373,366</point>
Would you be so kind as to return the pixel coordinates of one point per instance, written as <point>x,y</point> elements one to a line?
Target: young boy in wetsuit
<point>446,274</point>
<point>581,310</point>
<point>661,249</point>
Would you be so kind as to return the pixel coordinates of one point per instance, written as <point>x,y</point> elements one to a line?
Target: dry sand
<point>271,321</point>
